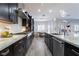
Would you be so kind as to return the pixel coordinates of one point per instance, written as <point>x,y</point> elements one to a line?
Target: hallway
<point>38,48</point>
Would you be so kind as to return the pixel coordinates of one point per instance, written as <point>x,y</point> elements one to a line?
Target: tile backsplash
<point>3,27</point>
<point>12,28</point>
<point>15,28</point>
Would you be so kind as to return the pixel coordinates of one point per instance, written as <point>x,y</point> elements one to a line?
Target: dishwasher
<point>58,47</point>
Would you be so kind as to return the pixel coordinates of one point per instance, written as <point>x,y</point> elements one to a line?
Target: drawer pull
<point>75,52</point>
<point>61,42</point>
<point>21,42</point>
<point>5,53</point>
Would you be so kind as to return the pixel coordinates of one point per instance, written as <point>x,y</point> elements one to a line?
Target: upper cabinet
<point>4,10</point>
<point>7,11</point>
<point>12,14</point>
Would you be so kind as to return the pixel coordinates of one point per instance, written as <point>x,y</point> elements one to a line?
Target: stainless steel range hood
<point>21,13</point>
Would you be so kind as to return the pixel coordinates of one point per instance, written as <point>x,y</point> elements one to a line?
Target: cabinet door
<point>32,24</point>
<point>58,48</point>
<point>68,52</point>
<point>19,48</point>
<point>71,50</point>
<point>47,40</point>
<point>12,14</point>
<point>51,45</point>
<point>19,51</point>
<point>4,10</point>
<point>24,22</point>
<point>28,43</point>
<point>6,52</point>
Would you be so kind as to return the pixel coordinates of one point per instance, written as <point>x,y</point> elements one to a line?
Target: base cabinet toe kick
<point>59,47</point>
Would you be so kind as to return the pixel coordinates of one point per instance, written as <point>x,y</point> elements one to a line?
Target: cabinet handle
<point>21,49</point>
<point>61,42</point>
<point>5,53</point>
<point>75,52</point>
<point>21,42</point>
<point>61,45</point>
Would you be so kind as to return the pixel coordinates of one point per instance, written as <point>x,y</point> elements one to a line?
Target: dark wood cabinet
<point>71,50</point>
<point>55,45</point>
<point>24,22</point>
<point>32,24</point>
<point>19,48</point>
<point>4,10</point>
<point>29,41</point>
<point>12,14</point>
<point>58,47</point>
<point>27,21</point>
<point>7,51</point>
<point>49,42</point>
<point>7,11</point>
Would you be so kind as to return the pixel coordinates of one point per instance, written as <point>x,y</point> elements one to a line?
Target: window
<point>76,27</point>
<point>41,28</point>
<point>48,28</point>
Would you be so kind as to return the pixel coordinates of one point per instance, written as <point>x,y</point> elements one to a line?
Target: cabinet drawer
<point>71,50</point>
<point>6,52</point>
<point>19,43</point>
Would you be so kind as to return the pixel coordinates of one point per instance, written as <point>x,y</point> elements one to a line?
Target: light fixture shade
<point>54,19</point>
<point>50,11</point>
<point>62,13</point>
<point>39,10</point>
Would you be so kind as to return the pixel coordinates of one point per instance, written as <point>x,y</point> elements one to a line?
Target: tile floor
<point>38,48</point>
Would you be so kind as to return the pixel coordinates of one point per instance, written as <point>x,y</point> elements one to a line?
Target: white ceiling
<point>71,10</point>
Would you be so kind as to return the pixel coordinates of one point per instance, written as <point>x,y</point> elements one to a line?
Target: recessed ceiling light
<point>24,10</point>
<point>65,21</point>
<point>39,10</point>
<point>54,19</point>
<point>50,11</point>
<point>62,13</point>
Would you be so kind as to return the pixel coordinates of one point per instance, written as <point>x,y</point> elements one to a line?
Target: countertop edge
<point>9,42</point>
<point>76,45</point>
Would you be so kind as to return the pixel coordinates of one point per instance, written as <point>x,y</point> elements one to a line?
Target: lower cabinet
<point>49,42</point>
<point>6,52</point>
<point>71,50</point>
<point>19,48</point>
<point>29,41</point>
<point>55,45</point>
<point>58,47</point>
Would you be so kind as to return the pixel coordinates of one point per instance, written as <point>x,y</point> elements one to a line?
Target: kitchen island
<point>73,40</point>
<point>61,45</point>
<point>17,45</point>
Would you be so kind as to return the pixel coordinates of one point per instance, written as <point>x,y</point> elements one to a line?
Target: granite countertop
<point>71,39</point>
<point>5,42</point>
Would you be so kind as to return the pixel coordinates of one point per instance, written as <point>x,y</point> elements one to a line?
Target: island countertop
<point>71,39</point>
